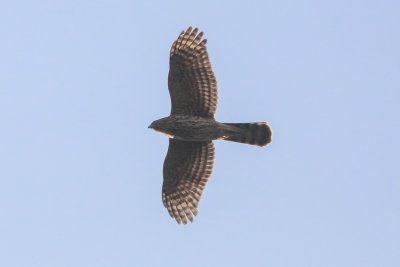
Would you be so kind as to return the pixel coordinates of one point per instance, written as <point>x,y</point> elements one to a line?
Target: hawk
<point>191,126</point>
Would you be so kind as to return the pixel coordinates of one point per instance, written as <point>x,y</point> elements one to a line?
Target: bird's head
<point>161,126</point>
<point>152,125</point>
<point>158,124</point>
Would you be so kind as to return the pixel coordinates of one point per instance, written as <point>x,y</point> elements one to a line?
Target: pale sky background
<point>81,174</point>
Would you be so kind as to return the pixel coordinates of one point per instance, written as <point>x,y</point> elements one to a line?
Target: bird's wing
<point>187,168</point>
<point>191,82</point>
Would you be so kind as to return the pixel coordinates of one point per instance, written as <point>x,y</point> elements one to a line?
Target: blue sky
<point>81,175</point>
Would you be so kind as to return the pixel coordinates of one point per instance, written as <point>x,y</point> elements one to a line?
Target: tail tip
<point>265,135</point>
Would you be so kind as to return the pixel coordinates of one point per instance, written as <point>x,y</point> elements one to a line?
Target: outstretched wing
<point>191,82</point>
<point>187,168</point>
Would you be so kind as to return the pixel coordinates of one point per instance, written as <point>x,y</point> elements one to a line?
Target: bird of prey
<point>191,126</point>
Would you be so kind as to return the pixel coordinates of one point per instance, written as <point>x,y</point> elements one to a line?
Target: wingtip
<point>189,29</point>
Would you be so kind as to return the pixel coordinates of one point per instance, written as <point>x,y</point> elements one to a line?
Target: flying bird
<point>191,126</point>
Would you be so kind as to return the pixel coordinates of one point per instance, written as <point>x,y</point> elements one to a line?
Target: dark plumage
<point>191,126</point>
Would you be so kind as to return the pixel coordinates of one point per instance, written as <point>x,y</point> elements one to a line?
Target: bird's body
<point>191,126</point>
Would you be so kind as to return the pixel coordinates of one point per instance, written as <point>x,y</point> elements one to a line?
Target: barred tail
<point>253,133</point>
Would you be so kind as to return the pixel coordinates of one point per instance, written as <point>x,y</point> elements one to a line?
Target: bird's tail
<point>253,133</point>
